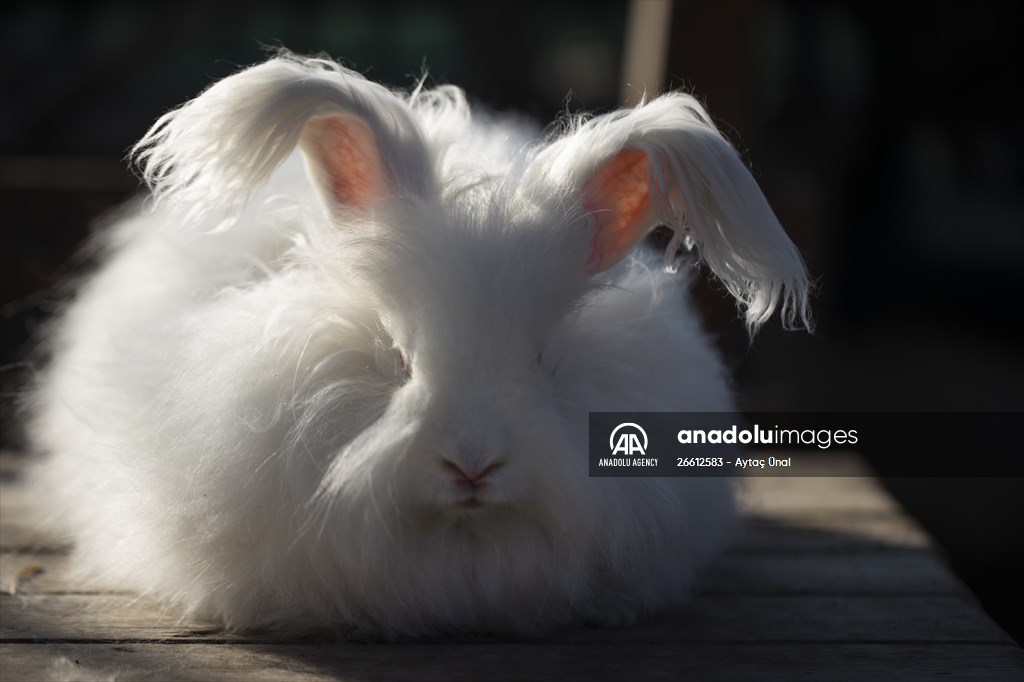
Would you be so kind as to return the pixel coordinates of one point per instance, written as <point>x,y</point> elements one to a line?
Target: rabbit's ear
<point>345,161</point>
<point>665,163</point>
<point>361,139</point>
<point>617,199</point>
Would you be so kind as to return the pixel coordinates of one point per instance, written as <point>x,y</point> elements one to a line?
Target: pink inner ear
<point>347,158</point>
<point>618,197</point>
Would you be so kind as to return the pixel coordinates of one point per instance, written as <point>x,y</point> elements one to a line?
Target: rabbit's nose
<point>469,474</point>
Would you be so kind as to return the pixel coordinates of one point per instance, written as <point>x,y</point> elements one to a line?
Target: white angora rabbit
<point>336,373</point>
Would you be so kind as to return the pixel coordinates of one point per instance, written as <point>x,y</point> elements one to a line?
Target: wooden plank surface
<point>829,579</point>
<point>704,662</point>
<point>734,618</point>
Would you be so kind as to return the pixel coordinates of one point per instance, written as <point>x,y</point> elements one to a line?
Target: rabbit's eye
<point>406,365</point>
<point>550,371</point>
<point>391,361</point>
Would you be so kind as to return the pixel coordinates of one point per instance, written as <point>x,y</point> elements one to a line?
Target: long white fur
<point>228,424</point>
<point>212,152</point>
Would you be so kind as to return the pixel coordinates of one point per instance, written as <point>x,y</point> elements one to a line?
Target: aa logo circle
<point>628,439</point>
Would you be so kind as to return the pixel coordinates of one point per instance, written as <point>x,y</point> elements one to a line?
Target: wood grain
<point>734,618</point>
<point>707,662</point>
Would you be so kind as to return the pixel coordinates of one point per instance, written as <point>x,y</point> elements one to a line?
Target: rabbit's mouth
<point>457,501</point>
<point>470,499</point>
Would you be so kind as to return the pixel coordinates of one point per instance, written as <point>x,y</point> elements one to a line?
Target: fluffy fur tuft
<point>339,375</point>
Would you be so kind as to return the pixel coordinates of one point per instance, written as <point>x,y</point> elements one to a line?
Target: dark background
<point>887,136</point>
